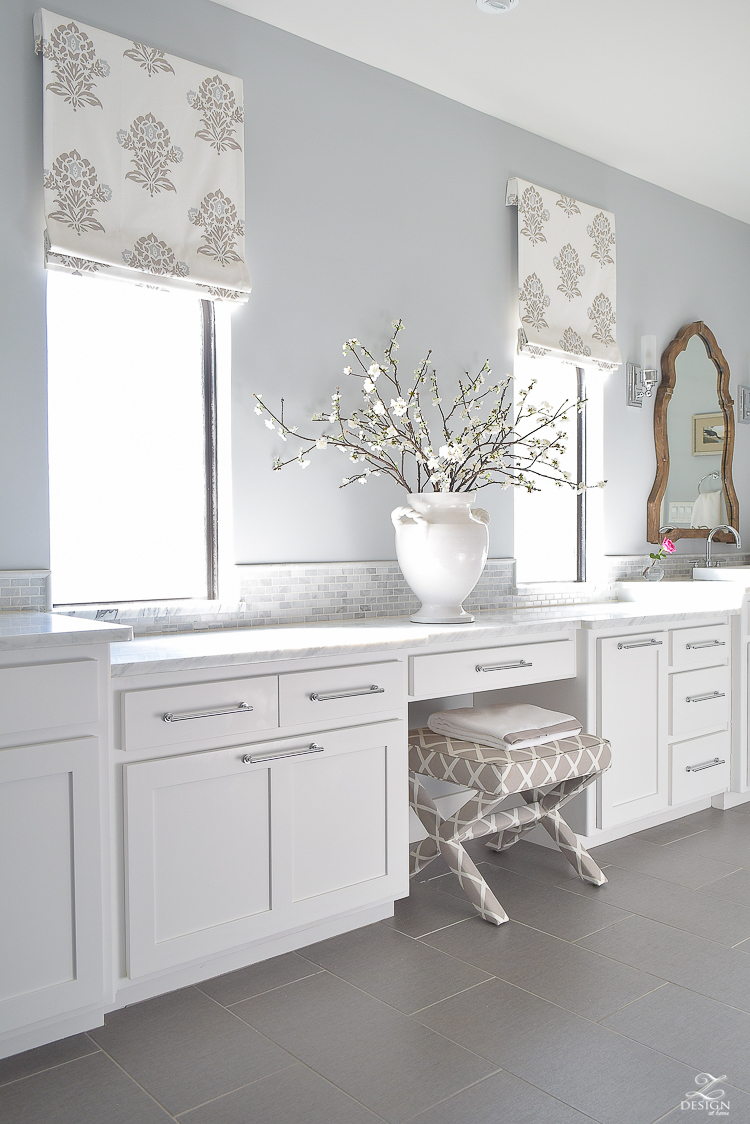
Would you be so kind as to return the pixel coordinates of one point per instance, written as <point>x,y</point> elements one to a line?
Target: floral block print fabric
<point>144,174</point>
<point>567,276</point>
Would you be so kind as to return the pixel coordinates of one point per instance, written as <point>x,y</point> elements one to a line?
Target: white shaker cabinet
<point>232,846</point>
<point>632,716</point>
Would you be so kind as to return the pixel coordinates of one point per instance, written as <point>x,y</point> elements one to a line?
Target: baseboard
<point>51,1030</point>
<point>727,800</point>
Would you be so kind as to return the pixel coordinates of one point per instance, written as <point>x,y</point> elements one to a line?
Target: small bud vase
<point>653,572</point>
<point>442,543</point>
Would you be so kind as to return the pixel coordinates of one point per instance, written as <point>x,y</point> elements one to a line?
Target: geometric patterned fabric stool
<point>546,776</point>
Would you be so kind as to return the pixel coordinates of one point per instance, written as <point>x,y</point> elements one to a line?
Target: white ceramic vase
<point>442,543</point>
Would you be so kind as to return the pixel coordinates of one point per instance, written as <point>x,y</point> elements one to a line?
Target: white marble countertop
<point>50,630</point>
<point>222,648</point>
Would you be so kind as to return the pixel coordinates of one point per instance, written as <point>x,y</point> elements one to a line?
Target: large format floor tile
<point>691,910</point>
<point>728,840</point>
<point>663,862</point>
<point>381,1058</point>
<point>294,1096</point>
<point>697,1031</point>
<point>45,1057</point>
<point>734,888</point>
<point>501,1099</point>
<point>185,1049</point>
<point>553,969</point>
<point>547,908</point>
<point>427,909</point>
<point>543,864</point>
<point>395,968</point>
<point>680,828</point>
<point>257,978</point>
<point>92,1090</point>
<point>683,959</point>
<point>602,1074</point>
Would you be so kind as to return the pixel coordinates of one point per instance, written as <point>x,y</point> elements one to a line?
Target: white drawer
<point>340,692</point>
<point>41,696</point>
<point>707,646</point>
<point>488,669</point>
<point>699,701</point>
<point>698,768</point>
<point>164,716</point>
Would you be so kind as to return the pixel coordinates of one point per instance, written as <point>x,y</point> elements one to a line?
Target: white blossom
<point>368,387</point>
<point>347,370</point>
<point>321,443</point>
<point>399,407</point>
<point>373,371</point>
<point>378,407</point>
<point>269,424</point>
<point>259,410</point>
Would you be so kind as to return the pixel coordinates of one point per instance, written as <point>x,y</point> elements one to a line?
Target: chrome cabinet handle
<point>705,765</point>
<point>708,644</point>
<point>373,690</point>
<point>641,644</point>
<point>255,758</point>
<point>241,708</point>
<point>503,666</point>
<point>705,698</point>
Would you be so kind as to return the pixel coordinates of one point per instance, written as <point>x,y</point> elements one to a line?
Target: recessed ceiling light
<point>495,7</point>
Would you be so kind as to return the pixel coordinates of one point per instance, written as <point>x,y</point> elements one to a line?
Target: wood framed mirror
<point>694,438</point>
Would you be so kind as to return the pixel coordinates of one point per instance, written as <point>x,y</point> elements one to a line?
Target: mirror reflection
<point>695,494</point>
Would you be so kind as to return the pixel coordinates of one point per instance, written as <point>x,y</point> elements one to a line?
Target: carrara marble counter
<point>52,630</point>
<point>223,648</point>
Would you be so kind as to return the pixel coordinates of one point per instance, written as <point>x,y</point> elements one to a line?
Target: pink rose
<point>669,546</point>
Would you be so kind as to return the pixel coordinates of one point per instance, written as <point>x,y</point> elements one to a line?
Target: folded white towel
<point>505,725</point>
<point>708,510</point>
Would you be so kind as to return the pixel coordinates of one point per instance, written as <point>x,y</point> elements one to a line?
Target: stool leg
<point>570,846</point>
<point>472,883</point>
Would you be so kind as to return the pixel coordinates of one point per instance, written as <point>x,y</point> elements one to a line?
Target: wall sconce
<point>743,404</point>
<point>641,381</point>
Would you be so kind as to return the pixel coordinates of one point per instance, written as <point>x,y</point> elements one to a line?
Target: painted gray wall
<point>367,198</point>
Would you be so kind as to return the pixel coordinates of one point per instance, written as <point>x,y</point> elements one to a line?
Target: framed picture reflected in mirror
<point>708,434</point>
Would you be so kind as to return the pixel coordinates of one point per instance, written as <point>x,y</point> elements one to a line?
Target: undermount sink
<point>722,574</point>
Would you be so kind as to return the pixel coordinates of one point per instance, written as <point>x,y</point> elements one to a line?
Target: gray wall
<point>367,198</point>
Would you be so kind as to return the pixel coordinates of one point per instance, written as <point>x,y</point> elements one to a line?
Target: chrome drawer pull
<point>373,690</point>
<point>708,644</point>
<point>504,666</point>
<point>705,765</point>
<point>256,758</point>
<point>641,644</point>
<point>705,698</point>
<point>241,708</point>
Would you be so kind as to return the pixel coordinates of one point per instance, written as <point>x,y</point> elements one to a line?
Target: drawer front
<point>699,701</point>
<point>707,646</point>
<point>340,692</point>
<point>42,696</point>
<point>164,716</point>
<point>699,768</point>
<point>488,669</point>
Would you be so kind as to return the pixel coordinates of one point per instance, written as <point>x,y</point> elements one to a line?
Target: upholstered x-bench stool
<point>546,776</point>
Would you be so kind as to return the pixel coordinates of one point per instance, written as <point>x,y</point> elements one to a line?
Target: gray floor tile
<point>393,967</point>
<point>662,862</point>
<point>45,1057</point>
<point>737,1101</point>
<point>700,1032</point>
<point>383,1059</point>
<point>679,828</point>
<point>92,1090</point>
<point>727,840</point>
<point>502,1099</point>
<point>681,958</point>
<point>427,909</point>
<point>553,969</point>
<point>585,1065</point>
<point>257,978</point>
<point>436,869</point>
<point>734,888</point>
<point>528,859</point>
<point>294,1096</point>
<point>547,908</point>
<point>691,910</point>
<point>185,1049</point>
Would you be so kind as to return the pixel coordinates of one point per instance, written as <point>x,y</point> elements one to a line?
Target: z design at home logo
<point>707,1096</point>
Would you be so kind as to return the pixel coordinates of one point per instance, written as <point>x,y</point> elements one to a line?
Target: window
<point>132,442</point>
<point>557,531</point>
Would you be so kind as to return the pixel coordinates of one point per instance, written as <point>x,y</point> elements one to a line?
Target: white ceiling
<point>657,88</point>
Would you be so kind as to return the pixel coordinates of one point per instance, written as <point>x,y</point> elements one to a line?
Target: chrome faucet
<point>710,539</point>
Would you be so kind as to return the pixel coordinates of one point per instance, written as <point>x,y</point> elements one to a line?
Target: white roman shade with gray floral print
<point>144,174</point>
<point>567,277</point>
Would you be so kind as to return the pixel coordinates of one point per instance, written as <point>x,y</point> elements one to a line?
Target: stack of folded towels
<point>505,725</point>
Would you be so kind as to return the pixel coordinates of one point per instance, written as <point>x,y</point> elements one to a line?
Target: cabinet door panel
<point>631,717</point>
<point>40,696</point>
<point>338,822</point>
<point>50,881</point>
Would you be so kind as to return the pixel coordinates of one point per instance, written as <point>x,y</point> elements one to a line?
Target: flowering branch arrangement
<point>667,547</point>
<point>477,441</point>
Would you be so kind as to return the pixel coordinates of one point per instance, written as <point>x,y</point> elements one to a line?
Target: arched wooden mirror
<point>694,437</point>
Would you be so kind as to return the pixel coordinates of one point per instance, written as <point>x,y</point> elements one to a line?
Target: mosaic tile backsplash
<point>304,593</point>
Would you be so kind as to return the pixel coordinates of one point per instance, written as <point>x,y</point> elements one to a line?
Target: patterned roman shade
<point>144,175</point>
<point>567,277</point>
